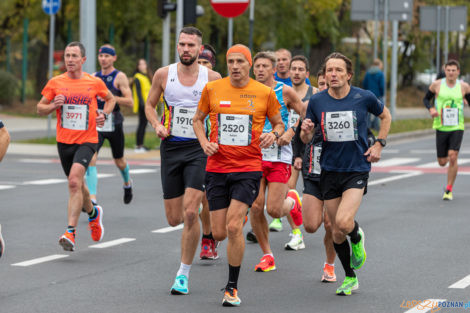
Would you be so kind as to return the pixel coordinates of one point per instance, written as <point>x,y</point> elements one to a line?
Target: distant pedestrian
<point>140,91</point>
<point>4,142</point>
<point>375,82</point>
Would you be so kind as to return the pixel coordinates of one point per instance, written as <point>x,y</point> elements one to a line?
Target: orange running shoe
<point>231,297</point>
<point>296,211</point>
<point>67,241</point>
<point>328,274</point>
<point>96,225</point>
<point>266,264</point>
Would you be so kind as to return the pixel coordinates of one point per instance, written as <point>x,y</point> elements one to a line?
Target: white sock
<point>184,270</point>
<point>330,264</point>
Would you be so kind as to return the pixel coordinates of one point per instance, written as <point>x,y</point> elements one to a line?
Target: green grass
<point>401,126</point>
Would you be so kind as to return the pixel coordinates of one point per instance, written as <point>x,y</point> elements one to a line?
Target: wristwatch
<point>275,134</point>
<point>382,142</point>
<point>106,115</point>
<point>294,128</point>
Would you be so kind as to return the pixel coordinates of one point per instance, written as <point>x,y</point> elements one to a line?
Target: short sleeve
<point>309,114</point>
<point>204,101</point>
<point>102,90</point>
<point>49,90</point>
<point>273,104</point>
<point>374,105</point>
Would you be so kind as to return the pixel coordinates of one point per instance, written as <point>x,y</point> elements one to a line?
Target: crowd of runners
<point>233,148</point>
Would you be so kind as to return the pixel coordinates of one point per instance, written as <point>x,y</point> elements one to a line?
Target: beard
<point>298,83</point>
<point>188,62</point>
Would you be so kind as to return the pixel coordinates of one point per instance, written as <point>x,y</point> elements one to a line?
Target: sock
<point>354,235</point>
<point>344,254</point>
<point>125,174</point>
<point>184,270</point>
<point>233,273</point>
<point>71,229</point>
<point>91,179</point>
<point>333,265</point>
<point>93,213</point>
<point>93,202</point>
<point>296,231</point>
<point>449,188</point>
<point>208,236</point>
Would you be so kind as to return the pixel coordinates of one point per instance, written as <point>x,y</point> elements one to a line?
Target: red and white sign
<point>230,8</point>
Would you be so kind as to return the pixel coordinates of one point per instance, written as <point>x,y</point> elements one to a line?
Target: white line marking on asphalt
<point>142,171</point>
<point>168,229</point>
<point>391,151</point>
<point>43,161</point>
<point>41,260</point>
<point>423,151</point>
<point>105,175</point>
<point>396,161</point>
<point>434,164</point>
<point>49,181</point>
<point>461,284</point>
<point>393,178</point>
<point>425,306</point>
<point>111,243</point>
<point>5,187</point>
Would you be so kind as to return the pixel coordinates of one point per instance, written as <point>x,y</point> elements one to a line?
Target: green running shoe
<point>180,287</point>
<point>358,256</point>
<point>447,195</point>
<point>276,225</point>
<point>349,284</point>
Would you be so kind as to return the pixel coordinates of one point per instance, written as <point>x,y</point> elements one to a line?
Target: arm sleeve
<point>204,102</point>
<point>428,97</point>
<point>138,90</point>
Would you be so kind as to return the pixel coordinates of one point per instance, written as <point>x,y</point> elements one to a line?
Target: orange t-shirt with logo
<point>77,92</point>
<point>237,117</point>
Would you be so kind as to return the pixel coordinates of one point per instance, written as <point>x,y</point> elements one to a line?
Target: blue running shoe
<point>180,287</point>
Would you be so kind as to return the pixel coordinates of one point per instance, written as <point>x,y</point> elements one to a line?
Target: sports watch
<point>382,142</point>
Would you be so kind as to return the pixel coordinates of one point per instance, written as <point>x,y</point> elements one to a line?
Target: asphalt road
<point>417,246</point>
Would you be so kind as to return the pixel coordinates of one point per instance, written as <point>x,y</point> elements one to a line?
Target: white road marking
<point>42,161</point>
<point>434,164</point>
<point>111,243</point>
<point>142,171</point>
<point>41,260</point>
<point>168,229</point>
<point>386,151</point>
<point>395,162</point>
<point>105,175</point>
<point>461,284</point>
<point>393,178</point>
<point>433,151</point>
<point>5,187</point>
<point>49,181</point>
<point>425,306</point>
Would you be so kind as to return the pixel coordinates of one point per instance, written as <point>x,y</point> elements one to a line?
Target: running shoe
<point>447,195</point>
<point>276,225</point>
<point>206,249</point>
<point>250,236</point>
<point>2,243</point>
<point>180,286</point>
<point>67,241</point>
<point>266,264</point>
<point>231,297</point>
<point>96,225</point>
<point>214,246</point>
<point>328,274</point>
<point>296,211</point>
<point>349,284</point>
<point>358,256</point>
<point>296,242</point>
<point>127,194</point>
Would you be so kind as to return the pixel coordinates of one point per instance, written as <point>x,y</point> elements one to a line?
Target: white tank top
<point>176,94</point>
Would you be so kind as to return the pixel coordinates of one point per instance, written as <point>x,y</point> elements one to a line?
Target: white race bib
<point>315,160</point>
<point>235,129</point>
<point>340,126</point>
<point>182,122</point>
<point>108,124</point>
<point>293,117</point>
<point>272,153</point>
<point>450,117</point>
<point>74,116</point>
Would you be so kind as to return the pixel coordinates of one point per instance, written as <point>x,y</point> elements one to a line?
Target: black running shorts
<point>312,187</point>
<point>446,141</point>
<point>116,140</point>
<point>75,153</point>
<point>333,184</point>
<point>183,165</point>
<point>221,188</point>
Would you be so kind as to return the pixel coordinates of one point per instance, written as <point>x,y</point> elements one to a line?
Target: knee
<point>442,161</point>
<point>121,163</point>
<point>234,228</point>
<point>219,234</point>
<point>75,184</point>
<point>453,158</point>
<point>344,226</point>
<point>311,227</point>
<point>174,221</point>
<point>274,210</point>
<point>190,217</point>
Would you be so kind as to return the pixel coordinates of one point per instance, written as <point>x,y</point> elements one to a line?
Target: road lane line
<point>111,243</point>
<point>41,161</point>
<point>461,284</point>
<point>434,164</point>
<point>168,229</point>
<point>5,187</point>
<point>395,162</point>
<point>41,260</point>
<point>426,305</point>
<point>48,181</point>
<point>393,178</point>
<point>143,171</point>
<point>102,175</point>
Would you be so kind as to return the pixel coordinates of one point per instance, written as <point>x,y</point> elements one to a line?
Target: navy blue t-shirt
<point>344,128</point>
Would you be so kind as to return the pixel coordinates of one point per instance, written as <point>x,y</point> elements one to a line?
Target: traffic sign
<point>230,8</point>
<point>428,18</point>
<point>364,10</point>
<point>50,6</point>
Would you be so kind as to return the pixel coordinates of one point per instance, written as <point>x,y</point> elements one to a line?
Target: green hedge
<point>8,87</point>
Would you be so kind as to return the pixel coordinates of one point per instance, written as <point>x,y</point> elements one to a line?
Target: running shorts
<point>276,172</point>
<point>116,140</point>
<point>312,187</point>
<point>75,153</point>
<point>333,184</point>
<point>446,141</point>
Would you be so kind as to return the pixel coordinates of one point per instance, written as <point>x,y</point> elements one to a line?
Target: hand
<point>59,100</point>
<point>210,148</point>
<point>161,131</point>
<point>100,119</point>
<point>286,138</point>
<point>307,125</point>
<point>433,112</point>
<point>374,152</point>
<point>266,140</point>
<point>298,163</point>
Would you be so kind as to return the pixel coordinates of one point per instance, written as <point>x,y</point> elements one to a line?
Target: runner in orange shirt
<point>73,96</point>
<point>237,106</point>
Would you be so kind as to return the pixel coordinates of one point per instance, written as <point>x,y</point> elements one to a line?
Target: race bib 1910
<point>340,126</point>
<point>450,117</point>
<point>272,153</point>
<point>293,117</point>
<point>182,122</point>
<point>108,124</point>
<point>235,129</point>
<point>74,116</point>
